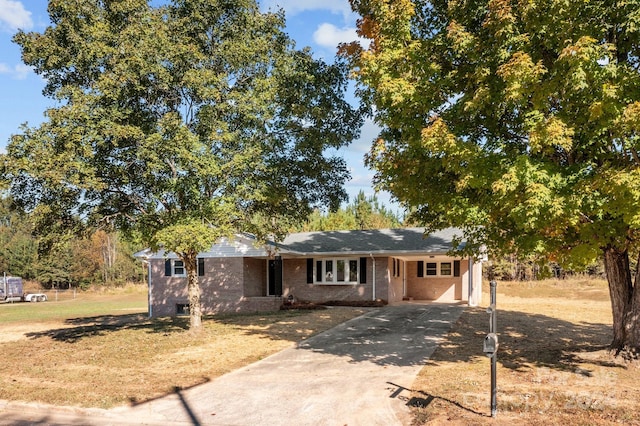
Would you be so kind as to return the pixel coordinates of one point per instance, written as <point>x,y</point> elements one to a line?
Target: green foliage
<point>54,269</point>
<point>193,112</point>
<point>62,259</point>
<point>514,120</point>
<point>98,259</point>
<point>361,213</point>
<point>18,249</point>
<point>511,268</point>
<point>370,214</point>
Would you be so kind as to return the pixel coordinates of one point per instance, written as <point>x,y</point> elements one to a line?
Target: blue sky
<point>320,24</point>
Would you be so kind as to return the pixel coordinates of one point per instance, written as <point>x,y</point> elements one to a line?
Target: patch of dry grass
<point>113,359</point>
<point>554,367</point>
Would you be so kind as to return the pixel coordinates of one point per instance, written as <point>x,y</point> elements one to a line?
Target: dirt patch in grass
<point>554,367</point>
<point>108,360</point>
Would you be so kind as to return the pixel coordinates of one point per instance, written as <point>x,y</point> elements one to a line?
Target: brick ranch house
<point>389,264</point>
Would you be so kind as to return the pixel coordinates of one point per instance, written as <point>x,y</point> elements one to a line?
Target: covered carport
<point>437,277</point>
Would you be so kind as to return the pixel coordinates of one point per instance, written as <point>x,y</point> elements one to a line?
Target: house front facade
<point>388,264</point>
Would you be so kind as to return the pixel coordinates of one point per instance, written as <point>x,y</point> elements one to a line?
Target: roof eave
<point>371,252</point>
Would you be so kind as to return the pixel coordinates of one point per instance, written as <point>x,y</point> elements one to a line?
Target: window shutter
<point>309,271</point>
<point>363,270</point>
<point>201,267</point>
<point>420,268</point>
<point>167,268</point>
<point>456,268</point>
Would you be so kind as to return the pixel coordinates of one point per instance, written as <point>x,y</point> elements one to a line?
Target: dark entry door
<point>275,276</point>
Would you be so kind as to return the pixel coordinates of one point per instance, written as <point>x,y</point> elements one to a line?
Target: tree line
<point>361,213</point>
<point>98,258</point>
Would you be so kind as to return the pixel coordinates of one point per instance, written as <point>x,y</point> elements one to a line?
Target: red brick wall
<point>240,285</point>
<point>435,288</point>
<point>165,292</point>
<point>295,283</point>
<point>222,287</point>
<point>255,277</point>
<point>384,288</point>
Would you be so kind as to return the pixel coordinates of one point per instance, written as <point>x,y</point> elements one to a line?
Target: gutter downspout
<point>471,302</point>
<point>404,279</point>
<point>149,291</point>
<point>373,260</point>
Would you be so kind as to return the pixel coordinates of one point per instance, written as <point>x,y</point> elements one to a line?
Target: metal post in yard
<point>493,328</point>
<point>494,390</point>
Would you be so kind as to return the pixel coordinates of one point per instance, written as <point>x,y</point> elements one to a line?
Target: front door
<point>275,276</point>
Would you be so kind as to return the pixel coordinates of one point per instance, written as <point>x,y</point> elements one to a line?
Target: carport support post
<point>493,328</point>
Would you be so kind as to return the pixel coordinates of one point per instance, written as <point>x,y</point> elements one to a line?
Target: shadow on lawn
<point>407,337</point>
<point>527,342</point>
<point>525,339</point>
<point>80,328</point>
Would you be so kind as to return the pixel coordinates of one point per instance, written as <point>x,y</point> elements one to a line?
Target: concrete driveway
<point>358,373</point>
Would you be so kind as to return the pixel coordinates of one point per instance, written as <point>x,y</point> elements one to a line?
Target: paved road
<point>358,373</point>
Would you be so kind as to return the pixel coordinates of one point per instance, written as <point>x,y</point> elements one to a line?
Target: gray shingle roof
<point>403,240</point>
<point>330,243</point>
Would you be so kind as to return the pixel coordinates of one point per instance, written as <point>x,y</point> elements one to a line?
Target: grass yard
<point>101,350</point>
<point>553,364</point>
<point>67,304</point>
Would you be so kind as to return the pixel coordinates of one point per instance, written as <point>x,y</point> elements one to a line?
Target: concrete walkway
<point>358,373</point>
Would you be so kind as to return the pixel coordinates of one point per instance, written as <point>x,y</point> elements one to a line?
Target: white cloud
<point>360,177</point>
<point>14,16</point>
<point>328,35</point>
<point>18,72</point>
<point>21,71</point>
<point>293,7</point>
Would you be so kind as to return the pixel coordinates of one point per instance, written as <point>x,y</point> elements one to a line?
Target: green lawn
<point>130,301</point>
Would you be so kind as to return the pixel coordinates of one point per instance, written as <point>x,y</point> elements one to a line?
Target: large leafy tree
<point>183,122</point>
<point>518,121</point>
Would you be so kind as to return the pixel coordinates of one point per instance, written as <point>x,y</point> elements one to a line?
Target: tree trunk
<point>625,305</point>
<point>632,319</point>
<point>195,310</point>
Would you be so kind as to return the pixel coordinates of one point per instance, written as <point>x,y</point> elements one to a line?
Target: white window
<point>175,268</point>
<point>432,268</point>
<point>438,269</point>
<point>336,271</point>
<point>178,269</point>
<point>445,268</point>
